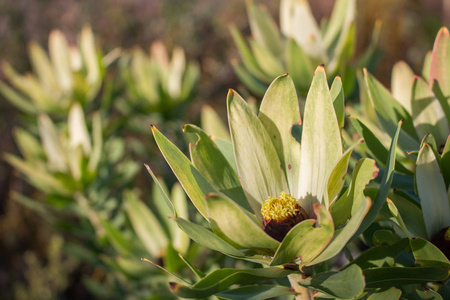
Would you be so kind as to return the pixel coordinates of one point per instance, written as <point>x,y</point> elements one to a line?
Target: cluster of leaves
<point>372,228</point>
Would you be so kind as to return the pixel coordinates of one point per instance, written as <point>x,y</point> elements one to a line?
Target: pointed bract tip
<point>443,31</point>
<point>401,121</point>
<point>148,168</point>
<point>173,286</point>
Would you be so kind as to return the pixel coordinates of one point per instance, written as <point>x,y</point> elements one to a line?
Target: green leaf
<point>299,66</point>
<point>264,29</point>
<point>256,292</point>
<point>390,112</point>
<point>251,82</point>
<point>210,161</point>
<point>378,151</point>
<point>256,158</point>
<point>337,95</point>
<point>17,100</point>
<point>392,293</point>
<point>226,147</point>
<point>402,84</point>
<point>193,182</point>
<point>247,57</point>
<point>237,227</point>
<point>43,68</point>
<point>207,238</point>
<point>212,123</point>
<point>381,256</point>
<point>384,185</point>
<point>268,63</point>
<point>162,192</point>
<point>445,161</point>
<point>343,235</point>
<point>306,240</point>
<point>427,113</point>
<point>29,146</point>
<point>321,142</point>
<point>121,244</point>
<point>60,57</point>
<point>278,113</point>
<point>396,276</point>
<point>427,66</point>
<point>432,192</point>
<point>146,225</point>
<point>345,284</point>
<point>180,240</point>
<point>220,280</point>
<point>336,179</point>
<point>428,255</point>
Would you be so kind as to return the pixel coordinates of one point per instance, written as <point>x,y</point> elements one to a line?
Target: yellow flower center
<point>281,208</point>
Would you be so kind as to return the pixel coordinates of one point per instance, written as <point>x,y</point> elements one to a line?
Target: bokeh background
<point>30,251</point>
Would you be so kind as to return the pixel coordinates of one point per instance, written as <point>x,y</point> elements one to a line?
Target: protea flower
<point>272,180</point>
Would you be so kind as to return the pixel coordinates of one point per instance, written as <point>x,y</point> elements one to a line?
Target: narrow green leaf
<point>180,240</point>
<point>251,82</point>
<point>306,240</point>
<point>235,226</point>
<point>278,113</point>
<point>440,64</point>
<point>337,95</point>
<point>193,182</point>
<point>390,112</point>
<point>212,123</point>
<point>146,225</point>
<point>384,185</point>
<point>265,59</point>
<point>299,66</point>
<point>432,192</point>
<point>445,161</point>
<point>401,84</point>
<point>428,115</point>
<point>345,284</point>
<point>17,100</point>
<point>263,28</point>
<point>396,276</point>
<point>257,161</point>
<point>222,279</point>
<point>162,192</point>
<point>210,161</point>
<point>381,256</point>
<point>207,238</point>
<point>321,142</point>
<point>392,293</point>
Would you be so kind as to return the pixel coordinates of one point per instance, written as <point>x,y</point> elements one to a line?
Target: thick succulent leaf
<point>427,255</point>
<point>299,66</point>
<point>391,293</point>
<point>212,124</point>
<point>427,112</point>
<point>432,192</point>
<point>389,112</point>
<point>248,60</point>
<point>306,240</point>
<point>337,95</point>
<point>222,279</point>
<point>385,184</point>
<point>396,276</point>
<point>343,235</point>
<point>440,64</point>
<point>381,256</point>
<point>377,149</point>
<point>256,292</point>
<point>265,59</point>
<point>210,161</point>
<point>401,84</point>
<point>146,225</point>
<point>321,142</point>
<point>207,238</point>
<point>263,28</point>
<point>278,113</point>
<point>257,162</point>
<point>411,214</point>
<point>346,284</point>
<point>337,176</point>
<point>193,182</point>
<point>237,227</point>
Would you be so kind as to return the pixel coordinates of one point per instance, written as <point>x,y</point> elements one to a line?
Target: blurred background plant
<point>204,36</point>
